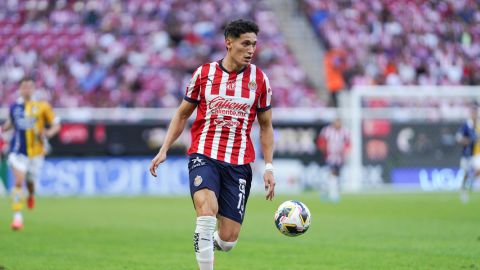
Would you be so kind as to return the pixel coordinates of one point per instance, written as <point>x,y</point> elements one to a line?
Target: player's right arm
<point>175,129</point>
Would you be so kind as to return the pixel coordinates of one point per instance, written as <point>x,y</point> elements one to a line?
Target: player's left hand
<point>49,133</point>
<point>269,184</point>
<point>159,158</point>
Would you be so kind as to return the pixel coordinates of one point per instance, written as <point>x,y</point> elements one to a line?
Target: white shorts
<point>30,166</point>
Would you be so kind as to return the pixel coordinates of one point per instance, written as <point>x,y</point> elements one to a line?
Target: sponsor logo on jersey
<point>221,105</point>
<point>226,123</point>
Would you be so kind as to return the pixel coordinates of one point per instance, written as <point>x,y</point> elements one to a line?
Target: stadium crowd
<point>134,53</point>
<point>388,42</point>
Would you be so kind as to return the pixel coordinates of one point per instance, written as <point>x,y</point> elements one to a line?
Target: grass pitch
<point>395,231</point>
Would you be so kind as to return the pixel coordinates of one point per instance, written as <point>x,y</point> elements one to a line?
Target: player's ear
<point>228,43</point>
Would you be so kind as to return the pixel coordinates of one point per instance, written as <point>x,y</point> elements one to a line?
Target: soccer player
<point>33,122</point>
<point>334,142</point>
<point>467,136</point>
<point>228,95</point>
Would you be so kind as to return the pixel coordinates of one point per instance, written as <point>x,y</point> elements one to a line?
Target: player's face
<point>26,89</point>
<point>337,123</point>
<point>242,48</point>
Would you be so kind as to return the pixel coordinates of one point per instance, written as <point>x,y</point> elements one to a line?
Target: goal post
<point>429,109</point>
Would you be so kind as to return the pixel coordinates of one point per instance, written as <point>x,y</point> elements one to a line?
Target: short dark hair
<point>238,27</point>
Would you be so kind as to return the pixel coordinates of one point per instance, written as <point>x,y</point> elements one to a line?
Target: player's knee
<point>206,212</point>
<point>227,246</point>
<point>206,208</point>
<point>205,203</point>
<point>224,245</point>
<point>231,236</point>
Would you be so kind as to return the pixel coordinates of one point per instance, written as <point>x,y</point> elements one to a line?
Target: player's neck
<point>231,66</point>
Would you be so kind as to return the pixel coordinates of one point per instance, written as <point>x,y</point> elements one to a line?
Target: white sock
<point>17,216</point>
<point>203,241</point>
<point>224,245</point>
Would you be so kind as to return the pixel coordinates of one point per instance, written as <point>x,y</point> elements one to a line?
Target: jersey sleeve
<point>264,102</point>
<point>192,93</point>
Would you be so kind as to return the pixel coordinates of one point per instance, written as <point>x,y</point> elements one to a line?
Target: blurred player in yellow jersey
<point>33,122</point>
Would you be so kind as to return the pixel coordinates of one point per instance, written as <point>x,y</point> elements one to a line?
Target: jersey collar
<point>225,70</point>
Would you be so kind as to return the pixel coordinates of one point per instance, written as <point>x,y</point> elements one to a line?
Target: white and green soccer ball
<point>292,218</point>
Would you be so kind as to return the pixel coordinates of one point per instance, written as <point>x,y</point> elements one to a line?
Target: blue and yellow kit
<point>29,119</point>
<point>471,130</point>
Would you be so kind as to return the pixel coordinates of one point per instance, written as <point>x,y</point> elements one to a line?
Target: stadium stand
<point>135,53</point>
<point>401,42</point>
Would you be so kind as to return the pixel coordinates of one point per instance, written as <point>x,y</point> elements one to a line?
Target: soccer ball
<point>292,218</point>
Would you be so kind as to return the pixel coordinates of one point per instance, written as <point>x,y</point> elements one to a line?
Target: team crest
<point>198,180</point>
<point>231,85</point>
<point>252,85</point>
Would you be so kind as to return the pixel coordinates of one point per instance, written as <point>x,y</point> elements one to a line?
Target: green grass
<point>396,231</point>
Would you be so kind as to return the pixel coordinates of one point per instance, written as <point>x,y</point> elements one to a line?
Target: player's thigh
<point>204,181</point>
<point>235,190</point>
<point>34,168</point>
<point>228,229</point>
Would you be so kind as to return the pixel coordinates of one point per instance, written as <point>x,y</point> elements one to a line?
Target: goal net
<point>403,137</point>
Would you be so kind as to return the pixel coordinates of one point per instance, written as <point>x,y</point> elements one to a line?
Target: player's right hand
<point>269,185</point>
<point>159,158</point>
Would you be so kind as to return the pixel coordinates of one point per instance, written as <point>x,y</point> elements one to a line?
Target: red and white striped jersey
<point>336,143</point>
<point>227,105</point>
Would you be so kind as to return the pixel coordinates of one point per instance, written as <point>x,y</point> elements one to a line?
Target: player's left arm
<point>267,142</point>
<point>52,120</point>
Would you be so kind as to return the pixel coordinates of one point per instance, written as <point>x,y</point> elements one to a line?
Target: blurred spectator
<point>334,68</point>
<point>402,42</point>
